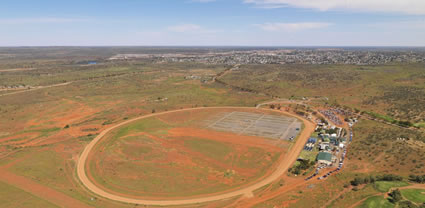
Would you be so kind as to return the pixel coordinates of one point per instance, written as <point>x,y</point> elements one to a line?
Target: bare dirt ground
<point>281,169</point>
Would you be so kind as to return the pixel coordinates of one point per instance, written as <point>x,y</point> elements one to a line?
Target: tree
<point>407,204</point>
<point>396,196</point>
<point>366,180</point>
<point>372,179</point>
<point>405,123</point>
<point>357,181</point>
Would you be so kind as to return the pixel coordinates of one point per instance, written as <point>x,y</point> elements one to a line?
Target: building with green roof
<point>324,158</point>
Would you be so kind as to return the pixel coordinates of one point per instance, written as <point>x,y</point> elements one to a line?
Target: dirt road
<point>281,169</point>
<point>222,74</point>
<point>36,88</point>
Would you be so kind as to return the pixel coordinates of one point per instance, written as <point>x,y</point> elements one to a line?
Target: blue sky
<point>212,22</point>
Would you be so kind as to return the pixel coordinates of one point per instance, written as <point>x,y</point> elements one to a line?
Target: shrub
<point>396,196</point>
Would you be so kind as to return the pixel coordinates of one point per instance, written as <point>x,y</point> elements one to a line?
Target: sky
<point>212,23</point>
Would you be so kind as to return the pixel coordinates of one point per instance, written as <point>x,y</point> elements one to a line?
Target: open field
<point>61,120</point>
<point>376,202</point>
<point>284,163</point>
<point>180,158</point>
<point>237,155</point>
<point>385,186</point>
<point>14,197</point>
<point>378,149</point>
<point>393,90</point>
<point>414,195</point>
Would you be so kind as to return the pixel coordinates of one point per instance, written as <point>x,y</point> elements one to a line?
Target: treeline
<point>301,166</point>
<point>243,89</point>
<point>417,178</point>
<point>405,124</point>
<point>371,179</point>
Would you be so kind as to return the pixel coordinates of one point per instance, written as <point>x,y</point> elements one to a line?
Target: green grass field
<point>420,125</point>
<point>414,195</point>
<point>385,186</point>
<point>376,202</point>
<point>12,197</point>
<point>309,155</point>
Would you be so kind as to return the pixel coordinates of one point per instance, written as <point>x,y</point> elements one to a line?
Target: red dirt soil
<point>176,141</point>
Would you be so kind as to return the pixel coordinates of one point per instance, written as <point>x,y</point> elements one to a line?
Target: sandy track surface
<point>281,169</point>
<point>40,191</point>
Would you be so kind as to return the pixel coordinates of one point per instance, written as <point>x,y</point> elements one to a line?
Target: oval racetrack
<point>281,169</point>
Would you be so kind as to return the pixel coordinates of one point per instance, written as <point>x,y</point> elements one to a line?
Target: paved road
<point>282,168</point>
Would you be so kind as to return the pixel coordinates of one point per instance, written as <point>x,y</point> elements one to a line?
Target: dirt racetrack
<point>281,169</point>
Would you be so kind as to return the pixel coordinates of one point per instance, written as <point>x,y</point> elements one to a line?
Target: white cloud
<point>416,7</point>
<point>189,28</point>
<point>399,25</point>
<point>184,28</point>
<point>40,20</point>
<point>292,27</point>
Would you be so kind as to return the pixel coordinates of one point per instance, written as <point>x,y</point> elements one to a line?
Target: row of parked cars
<point>341,163</point>
<point>331,116</point>
<point>315,173</point>
<point>309,147</point>
<point>310,144</point>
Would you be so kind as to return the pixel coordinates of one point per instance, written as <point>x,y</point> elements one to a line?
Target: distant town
<point>293,56</point>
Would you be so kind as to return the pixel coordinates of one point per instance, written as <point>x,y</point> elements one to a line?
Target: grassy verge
<point>385,186</point>
<point>414,195</point>
<point>376,202</point>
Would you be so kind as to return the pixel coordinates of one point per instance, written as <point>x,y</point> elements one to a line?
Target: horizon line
<point>214,46</point>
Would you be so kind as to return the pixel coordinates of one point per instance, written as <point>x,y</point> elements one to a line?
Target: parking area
<point>256,124</point>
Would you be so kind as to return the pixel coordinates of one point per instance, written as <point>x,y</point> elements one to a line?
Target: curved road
<point>282,168</point>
